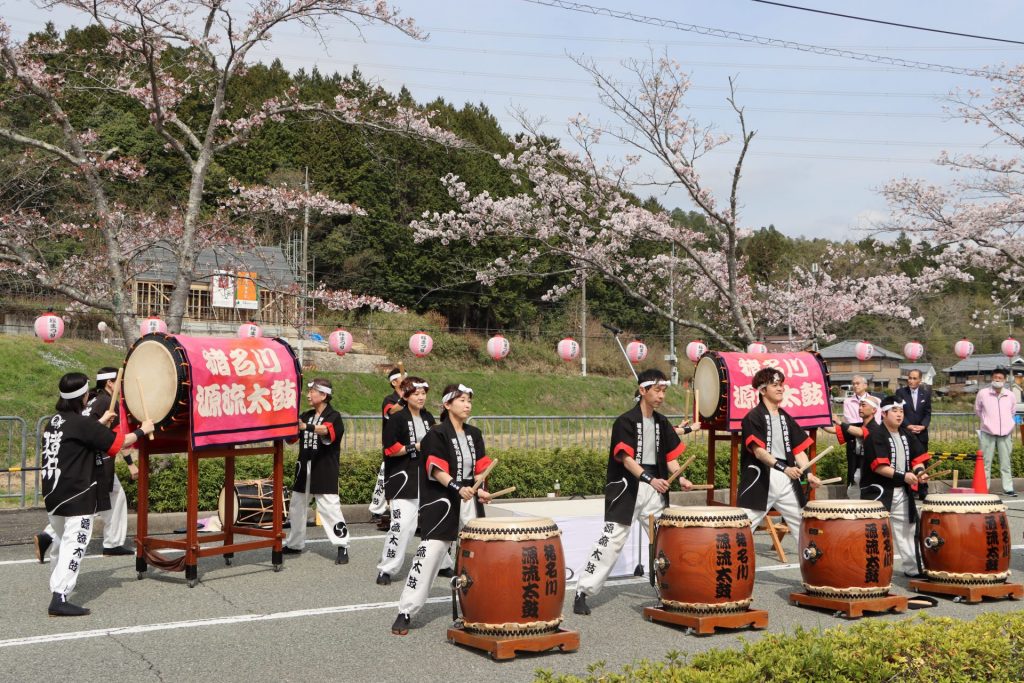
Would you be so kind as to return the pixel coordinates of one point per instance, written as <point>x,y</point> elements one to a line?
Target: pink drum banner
<point>805,396</point>
<point>243,390</point>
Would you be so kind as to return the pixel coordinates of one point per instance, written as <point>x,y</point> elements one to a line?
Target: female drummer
<point>74,447</point>
<point>403,436</point>
<point>452,453</point>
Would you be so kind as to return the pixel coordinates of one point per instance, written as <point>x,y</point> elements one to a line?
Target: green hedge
<point>926,649</point>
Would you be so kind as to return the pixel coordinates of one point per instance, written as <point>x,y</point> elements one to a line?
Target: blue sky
<point>830,131</point>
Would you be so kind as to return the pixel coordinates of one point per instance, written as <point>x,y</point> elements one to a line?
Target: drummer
<point>853,434</point>
<point>391,404</point>
<point>644,452</point>
<point>772,455</point>
<point>894,464</point>
<point>74,447</point>
<point>452,455</point>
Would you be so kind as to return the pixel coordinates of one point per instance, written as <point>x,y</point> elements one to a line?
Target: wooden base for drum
<point>505,647</point>
<point>971,594</point>
<point>853,609</point>
<point>704,624</point>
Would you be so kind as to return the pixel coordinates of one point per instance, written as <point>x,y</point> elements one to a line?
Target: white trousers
<point>404,517</point>
<point>607,548</point>
<point>427,562</point>
<point>331,518</point>
<point>1004,445</point>
<point>903,530</point>
<point>115,520</point>
<point>782,497</point>
<point>379,505</point>
<point>72,535</point>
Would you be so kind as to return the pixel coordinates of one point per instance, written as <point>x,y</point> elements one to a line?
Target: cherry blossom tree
<point>160,56</point>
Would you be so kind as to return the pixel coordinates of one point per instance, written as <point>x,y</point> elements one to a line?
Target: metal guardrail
<point>14,450</point>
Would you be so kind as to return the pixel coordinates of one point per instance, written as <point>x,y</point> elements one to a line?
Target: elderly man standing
<point>995,407</point>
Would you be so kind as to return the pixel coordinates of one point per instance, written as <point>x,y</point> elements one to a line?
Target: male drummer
<point>391,404</point>
<point>853,434</point>
<point>772,456</point>
<point>644,451</point>
<point>894,464</point>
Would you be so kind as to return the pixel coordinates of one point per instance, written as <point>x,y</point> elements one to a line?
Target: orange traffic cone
<point>980,479</point>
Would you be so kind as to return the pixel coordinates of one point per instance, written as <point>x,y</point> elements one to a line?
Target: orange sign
<point>246,291</point>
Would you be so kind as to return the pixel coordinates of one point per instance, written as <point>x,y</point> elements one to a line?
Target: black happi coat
<point>99,404</point>
<point>439,506</point>
<point>621,487</point>
<point>879,451</point>
<point>402,472</point>
<point>754,474</point>
<point>854,447</point>
<point>73,449</point>
<point>385,407</point>
<point>323,452</point>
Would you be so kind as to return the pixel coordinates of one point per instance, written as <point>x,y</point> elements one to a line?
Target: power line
<point>762,40</point>
<point>888,23</point>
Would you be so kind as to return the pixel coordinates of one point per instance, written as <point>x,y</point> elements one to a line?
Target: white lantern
<point>864,350</point>
<point>636,351</point>
<point>568,349</point>
<point>152,324</point>
<point>250,330</point>
<point>49,327</point>
<point>696,349</point>
<point>757,347</point>
<point>420,344</point>
<point>963,349</point>
<point>1010,347</point>
<point>913,351</point>
<point>497,347</point>
<point>340,341</point>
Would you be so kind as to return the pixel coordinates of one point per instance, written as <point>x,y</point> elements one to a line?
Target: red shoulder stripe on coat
<point>755,440</point>
<point>116,446</point>
<point>804,446</point>
<point>330,430</point>
<point>434,461</point>
<point>921,459</point>
<point>623,447</point>
<point>675,452</point>
<point>393,448</point>
<point>481,465</point>
<point>879,462</point>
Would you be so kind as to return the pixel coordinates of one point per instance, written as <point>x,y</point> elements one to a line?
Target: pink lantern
<point>49,327</point>
<point>864,350</point>
<point>696,349</point>
<point>340,341</point>
<point>250,330</point>
<point>757,347</point>
<point>568,349</point>
<point>420,344</point>
<point>1010,347</point>
<point>636,351</point>
<point>152,324</point>
<point>497,347</point>
<point>963,349</point>
<point>912,351</point>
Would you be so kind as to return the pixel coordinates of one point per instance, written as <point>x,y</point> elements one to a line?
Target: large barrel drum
<point>704,559</point>
<point>157,381</point>
<point>846,549</point>
<point>965,538</point>
<point>511,576</point>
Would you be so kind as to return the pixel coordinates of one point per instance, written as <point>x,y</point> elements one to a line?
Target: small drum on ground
<point>254,504</point>
<point>846,549</point>
<point>704,558</point>
<point>511,576</point>
<point>965,538</point>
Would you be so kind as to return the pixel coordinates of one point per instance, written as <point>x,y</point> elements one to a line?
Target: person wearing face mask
<point>995,406</point>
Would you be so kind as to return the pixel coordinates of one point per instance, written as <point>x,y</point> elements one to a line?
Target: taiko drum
<point>846,549</point>
<point>511,576</point>
<point>965,538</point>
<point>704,559</point>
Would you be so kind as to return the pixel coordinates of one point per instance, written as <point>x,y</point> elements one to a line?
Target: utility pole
<point>583,323</point>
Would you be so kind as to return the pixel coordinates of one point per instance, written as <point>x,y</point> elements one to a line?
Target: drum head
<point>961,498</point>
<point>708,382</point>
<point>700,511</point>
<point>508,523</point>
<point>845,504</point>
<point>151,365</point>
<point>221,506</point>
<point>509,529</point>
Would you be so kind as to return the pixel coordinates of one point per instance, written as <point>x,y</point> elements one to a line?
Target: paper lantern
<point>420,344</point>
<point>1010,347</point>
<point>568,349</point>
<point>497,347</point>
<point>864,350</point>
<point>757,347</point>
<point>963,349</point>
<point>913,351</point>
<point>101,326</point>
<point>152,324</point>
<point>340,341</point>
<point>250,330</point>
<point>696,349</point>
<point>636,351</point>
<point>49,327</point>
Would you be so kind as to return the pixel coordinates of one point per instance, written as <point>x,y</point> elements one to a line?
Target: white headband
<point>652,382</point>
<point>897,404</point>
<point>451,394</point>
<point>321,388</point>
<point>873,400</point>
<point>393,375</point>
<point>420,385</point>
<point>76,393</point>
<point>777,376</point>
<point>106,375</point>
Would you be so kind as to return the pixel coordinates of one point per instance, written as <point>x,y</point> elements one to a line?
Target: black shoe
<point>384,523</point>
<point>579,605</point>
<point>912,575</point>
<point>342,556</point>
<point>119,550</point>
<point>43,542</point>
<point>60,607</point>
<point>383,579</point>
<point>1010,494</point>
<point>401,625</point>
<point>447,573</point>
<point>285,550</point>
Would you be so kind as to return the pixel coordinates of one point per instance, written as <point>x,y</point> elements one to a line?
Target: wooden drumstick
<point>696,405</point>
<point>142,400</point>
<point>833,480</point>
<point>503,492</point>
<point>483,476</point>
<point>401,369</point>
<point>819,457</point>
<point>675,475</point>
<point>940,474</point>
<point>702,487</point>
<point>116,396</point>
<point>956,474</point>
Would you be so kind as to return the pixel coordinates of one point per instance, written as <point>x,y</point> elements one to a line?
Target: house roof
<point>983,363</point>
<point>847,349</point>
<point>274,271</point>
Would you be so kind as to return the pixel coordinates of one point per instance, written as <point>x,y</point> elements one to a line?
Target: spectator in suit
<point>917,406</point>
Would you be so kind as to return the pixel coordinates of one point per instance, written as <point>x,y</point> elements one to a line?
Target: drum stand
<point>852,608</point>
<point>505,647</point>
<point>146,546</point>
<point>705,624</point>
<point>969,593</point>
